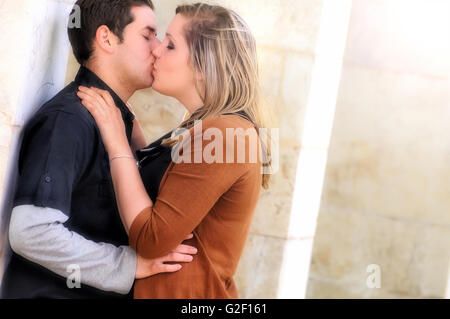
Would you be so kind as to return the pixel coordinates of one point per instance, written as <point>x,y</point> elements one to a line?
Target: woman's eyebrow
<point>170,36</point>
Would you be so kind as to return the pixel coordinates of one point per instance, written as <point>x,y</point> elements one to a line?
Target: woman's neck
<point>191,101</point>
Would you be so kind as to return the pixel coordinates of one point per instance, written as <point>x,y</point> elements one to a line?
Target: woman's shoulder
<point>233,134</point>
<point>228,121</point>
<point>229,127</point>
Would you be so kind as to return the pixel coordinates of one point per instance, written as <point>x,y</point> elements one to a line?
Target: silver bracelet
<point>124,156</point>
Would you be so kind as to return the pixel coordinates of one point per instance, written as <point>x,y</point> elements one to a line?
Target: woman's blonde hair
<point>223,51</point>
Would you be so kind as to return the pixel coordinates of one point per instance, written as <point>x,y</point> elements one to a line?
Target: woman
<point>208,62</point>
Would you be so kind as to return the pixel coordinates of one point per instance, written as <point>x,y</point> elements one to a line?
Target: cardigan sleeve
<point>188,194</point>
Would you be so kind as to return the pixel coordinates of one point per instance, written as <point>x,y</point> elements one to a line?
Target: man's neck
<point>112,80</point>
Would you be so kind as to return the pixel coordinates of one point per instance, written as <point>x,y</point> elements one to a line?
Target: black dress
<point>153,163</point>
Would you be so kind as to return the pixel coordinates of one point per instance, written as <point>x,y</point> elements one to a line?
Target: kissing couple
<point>93,195</point>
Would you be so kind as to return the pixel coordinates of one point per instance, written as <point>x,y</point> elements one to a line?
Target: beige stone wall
<point>386,192</point>
<point>33,50</point>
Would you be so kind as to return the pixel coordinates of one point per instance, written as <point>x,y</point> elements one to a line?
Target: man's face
<point>134,59</point>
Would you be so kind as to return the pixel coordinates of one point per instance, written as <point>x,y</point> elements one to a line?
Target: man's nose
<point>155,51</point>
<point>156,44</point>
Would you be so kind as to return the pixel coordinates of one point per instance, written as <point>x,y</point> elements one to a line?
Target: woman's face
<point>173,73</point>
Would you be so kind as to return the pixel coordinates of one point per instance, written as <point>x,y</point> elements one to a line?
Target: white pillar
<point>313,155</point>
<point>34,49</point>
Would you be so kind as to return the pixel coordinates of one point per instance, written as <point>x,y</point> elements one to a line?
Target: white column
<point>34,49</point>
<point>313,155</point>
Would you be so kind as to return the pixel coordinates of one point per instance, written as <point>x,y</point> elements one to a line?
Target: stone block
<point>389,152</point>
<point>259,267</point>
<point>410,254</point>
<point>386,34</point>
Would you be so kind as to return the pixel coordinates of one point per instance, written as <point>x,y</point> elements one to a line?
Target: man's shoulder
<point>64,116</point>
<point>67,104</point>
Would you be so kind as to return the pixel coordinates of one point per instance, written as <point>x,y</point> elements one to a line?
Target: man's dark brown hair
<point>115,14</point>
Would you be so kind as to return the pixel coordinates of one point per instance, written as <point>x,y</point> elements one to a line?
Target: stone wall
<point>34,50</point>
<point>386,193</point>
<point>385,190</point>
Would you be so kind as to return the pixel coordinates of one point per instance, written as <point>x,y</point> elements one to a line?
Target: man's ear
<point>105,39</point>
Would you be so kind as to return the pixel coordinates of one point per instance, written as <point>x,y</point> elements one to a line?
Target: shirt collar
<point>88,78</point>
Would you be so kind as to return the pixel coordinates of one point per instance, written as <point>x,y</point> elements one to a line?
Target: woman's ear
<point>199,77</point>
<point>105,39</point>
<point>200,84</point>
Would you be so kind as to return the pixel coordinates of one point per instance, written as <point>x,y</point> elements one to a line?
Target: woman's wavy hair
<point>223,51</point>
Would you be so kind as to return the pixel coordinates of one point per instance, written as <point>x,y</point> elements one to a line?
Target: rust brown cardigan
<point>216,202</point>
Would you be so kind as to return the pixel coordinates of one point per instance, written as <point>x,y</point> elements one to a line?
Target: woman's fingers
<point>92,105</point>
<point>106,96</point>
<point>93,96</point>
<point>90,96</point>
<point>106,101</point>
<point>99,96</point>
<point>191,235</point>
<point>89,93</point>
<point>88,101</point>
<point>95,100</point>
<point>108,118</point>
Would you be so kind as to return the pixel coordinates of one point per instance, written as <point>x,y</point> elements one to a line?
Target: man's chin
<point>147,85</point>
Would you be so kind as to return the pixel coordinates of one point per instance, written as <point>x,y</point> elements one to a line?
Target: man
<point>65,217</point>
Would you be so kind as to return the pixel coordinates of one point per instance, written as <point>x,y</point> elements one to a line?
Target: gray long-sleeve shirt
<point>38,234</point>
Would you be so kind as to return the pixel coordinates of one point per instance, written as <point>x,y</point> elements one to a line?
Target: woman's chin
<point>158,88</point>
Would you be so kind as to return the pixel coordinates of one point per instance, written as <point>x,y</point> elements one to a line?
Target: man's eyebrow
<point>151,29</point>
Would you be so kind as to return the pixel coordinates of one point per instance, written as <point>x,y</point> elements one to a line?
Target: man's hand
<point>149,267</point>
